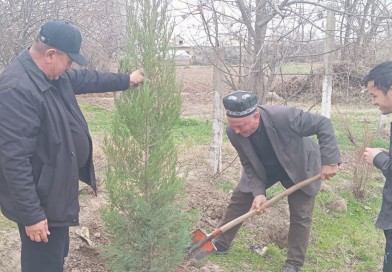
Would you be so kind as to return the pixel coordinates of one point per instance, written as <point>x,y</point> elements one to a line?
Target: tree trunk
<point>328,65</point>
<point>215,155</point>
<point>345,54</point>
<point>257,73</point>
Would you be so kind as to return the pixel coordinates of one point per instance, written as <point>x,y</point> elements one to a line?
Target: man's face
<point>380,99</point>
<point>245,126</point>
<point>59,62</point>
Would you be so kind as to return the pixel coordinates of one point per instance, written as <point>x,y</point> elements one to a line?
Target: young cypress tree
<point>145,216</point>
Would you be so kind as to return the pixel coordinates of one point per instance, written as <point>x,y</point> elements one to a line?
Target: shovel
<point>201,242</point>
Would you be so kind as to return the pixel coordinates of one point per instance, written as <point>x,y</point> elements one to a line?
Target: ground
<point>201,192</point>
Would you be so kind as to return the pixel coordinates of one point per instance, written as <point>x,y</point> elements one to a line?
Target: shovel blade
<point>198,239</point>
<point>203,251</point>
<point>201,245</point>
<point>198,236</point>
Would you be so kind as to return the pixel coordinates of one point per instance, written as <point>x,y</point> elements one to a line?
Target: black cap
<point>64,36</point>
<point>240,104</point>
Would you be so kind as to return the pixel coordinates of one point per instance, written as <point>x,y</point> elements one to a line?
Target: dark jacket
<point>288,130</point>
<point>383,162</point>
<point>39,175</point>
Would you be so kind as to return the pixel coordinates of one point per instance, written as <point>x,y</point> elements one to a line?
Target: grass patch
<point>186,131</point>
<point>242,259</point>
<point>98,118</point>
<point>358,123</point>
<point>5,223</point>
<point>345,241</point>
<point>226,186</point>
<point>298,68</point>
<point>190,131</point>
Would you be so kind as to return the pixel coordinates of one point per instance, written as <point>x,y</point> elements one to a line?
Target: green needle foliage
<point>146,217</point>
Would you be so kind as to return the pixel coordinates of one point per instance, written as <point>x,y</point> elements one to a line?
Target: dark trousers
<point>301,210</point>
<point>388,251</point>
<point>45,257</point>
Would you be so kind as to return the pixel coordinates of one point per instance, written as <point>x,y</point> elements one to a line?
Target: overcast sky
<point>190,26</point>
<point>186,25</point>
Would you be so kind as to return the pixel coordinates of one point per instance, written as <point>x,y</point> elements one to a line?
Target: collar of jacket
<point>32,69</point>
<point>264,116</point>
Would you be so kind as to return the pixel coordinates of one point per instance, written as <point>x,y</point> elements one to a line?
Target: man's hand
<point>136,78</point>
<point>38,232</point>
<point>370,153</point>
<point>257,202</point>
<point>329,170</point>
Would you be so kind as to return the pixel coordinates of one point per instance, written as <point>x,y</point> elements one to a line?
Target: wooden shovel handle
<point>269,203</point>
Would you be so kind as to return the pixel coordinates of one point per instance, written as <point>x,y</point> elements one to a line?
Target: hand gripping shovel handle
<point>267,204</point>
<point>202,245</point>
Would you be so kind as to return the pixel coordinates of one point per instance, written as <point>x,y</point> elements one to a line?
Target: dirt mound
<point>210,202</point>
<point>271,227</point>
<point>268,228</point>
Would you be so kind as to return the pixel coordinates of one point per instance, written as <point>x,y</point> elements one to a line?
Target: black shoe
<point>289,269</point>
<point>220,250</point>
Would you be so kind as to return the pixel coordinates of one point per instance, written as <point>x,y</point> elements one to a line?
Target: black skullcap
<point>240,104</point>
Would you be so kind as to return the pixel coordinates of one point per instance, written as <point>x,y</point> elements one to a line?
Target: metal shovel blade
<point>201,245</point>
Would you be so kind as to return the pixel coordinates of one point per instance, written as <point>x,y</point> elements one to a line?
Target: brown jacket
<point>288,130</point>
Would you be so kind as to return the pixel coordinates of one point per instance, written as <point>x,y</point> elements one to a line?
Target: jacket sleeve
<point>257,184</point>
<point>88,81</point>
<point>308,124</point>
<point>19,127</point>
<point>384,162</point>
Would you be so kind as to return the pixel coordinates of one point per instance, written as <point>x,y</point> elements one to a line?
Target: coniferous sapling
<point>145,216</point>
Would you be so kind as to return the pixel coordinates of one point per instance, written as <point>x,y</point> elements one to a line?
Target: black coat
<point>39,176</point>
<point>383,161</point>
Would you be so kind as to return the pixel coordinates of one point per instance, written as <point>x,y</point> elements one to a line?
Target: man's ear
<point>49,55</point>
<point>388,95</point>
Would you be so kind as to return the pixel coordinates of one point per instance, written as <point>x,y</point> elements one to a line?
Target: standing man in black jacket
<point>45,146</point>
<point>379,84</point>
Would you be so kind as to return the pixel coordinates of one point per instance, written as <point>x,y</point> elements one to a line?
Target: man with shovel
<point>273,144</point>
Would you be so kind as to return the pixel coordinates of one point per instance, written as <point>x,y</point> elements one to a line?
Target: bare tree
<point>363,23</point>
<point>218,85</point>
<point>101,23</point>
<point>267,34</point>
